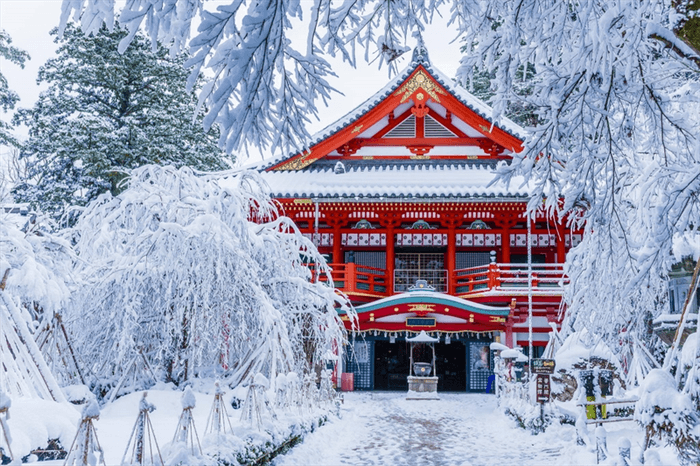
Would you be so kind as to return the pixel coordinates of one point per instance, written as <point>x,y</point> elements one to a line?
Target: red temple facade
<point>401,197</point>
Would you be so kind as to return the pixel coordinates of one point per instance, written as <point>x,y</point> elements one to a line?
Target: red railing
<point>360,279</point>
<point>363,280</point>
<point>507,278</point>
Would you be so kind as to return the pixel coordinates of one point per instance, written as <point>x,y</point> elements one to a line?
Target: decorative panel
<point>363,239</point>
<point>520,239</point>
<point>327,239</point>
<point>377,239</point>
<point>419,239</point>
<point>572,240</point>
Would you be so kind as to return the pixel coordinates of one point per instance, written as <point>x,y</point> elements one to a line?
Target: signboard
<point>543,388</point>
<point>543,366</point>
<point>420,322</point>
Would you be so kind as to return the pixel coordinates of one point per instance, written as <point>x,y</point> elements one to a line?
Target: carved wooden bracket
<point>419,150</point>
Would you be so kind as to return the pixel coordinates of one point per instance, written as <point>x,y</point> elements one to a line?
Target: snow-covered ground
<point>32,422</point>
<point>383,428</point>
<point>374,428</point>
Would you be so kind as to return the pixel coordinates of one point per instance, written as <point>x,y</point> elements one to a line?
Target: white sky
<point>29,21</point>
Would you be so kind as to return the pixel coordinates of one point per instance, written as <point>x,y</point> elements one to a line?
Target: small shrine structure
<point>403,189</point>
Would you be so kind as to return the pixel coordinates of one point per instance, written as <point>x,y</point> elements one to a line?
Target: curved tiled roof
<point>460,93</point>
<point>447,180</point>
<point>433,298</point>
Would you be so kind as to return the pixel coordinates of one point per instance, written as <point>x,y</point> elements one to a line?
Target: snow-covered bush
<point>201,274</point>
<point>39,264</point>
<point>668,415</point>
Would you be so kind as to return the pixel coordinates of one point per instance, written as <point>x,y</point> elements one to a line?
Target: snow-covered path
<point>383,428</point>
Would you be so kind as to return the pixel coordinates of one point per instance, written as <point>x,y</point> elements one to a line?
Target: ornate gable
<point>420,115</point>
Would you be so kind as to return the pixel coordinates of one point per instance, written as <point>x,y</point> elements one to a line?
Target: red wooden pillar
<point>390,241</point>
<point>509,334</point>
<point>337,251</point>
<point>505,245</point>
<point>451,258</point>
<point>561,243</point>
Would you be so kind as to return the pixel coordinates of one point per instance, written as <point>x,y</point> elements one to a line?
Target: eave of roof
<point>395,182</point>
<point>431,297</point>
<point>462,95</point>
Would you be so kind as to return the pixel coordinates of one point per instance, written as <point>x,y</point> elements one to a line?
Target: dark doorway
<point>451,366</point>
<point>391,362</point>
<point>391,365</point>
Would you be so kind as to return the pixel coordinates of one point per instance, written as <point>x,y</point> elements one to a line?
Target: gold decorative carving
<point>297,163</point>
<point>420,80</point>
<point>421,309</point>
<point>357,128</point>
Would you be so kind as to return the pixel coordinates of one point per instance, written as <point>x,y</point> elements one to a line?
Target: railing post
<point>350,277</point>
<point>493,272</point>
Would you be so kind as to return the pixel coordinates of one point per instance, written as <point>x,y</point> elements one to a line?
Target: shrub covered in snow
<point>668,415</point>
<point>200,273</point>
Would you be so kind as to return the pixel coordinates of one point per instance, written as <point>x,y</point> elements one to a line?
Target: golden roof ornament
<point>420,80</point>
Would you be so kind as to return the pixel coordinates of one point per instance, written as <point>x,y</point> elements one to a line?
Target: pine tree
<point>8,98</point>
<point>104,114</point>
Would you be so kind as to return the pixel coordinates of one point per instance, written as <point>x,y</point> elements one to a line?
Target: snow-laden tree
<point>8,98</point>
<point>203,275</point>
<point>105,113</point>
<point>615,149</point>
<point>267,75</point>
<point>34,282</point>
<point>37,263</point>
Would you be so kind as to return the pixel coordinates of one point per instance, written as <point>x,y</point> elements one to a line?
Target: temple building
<point>400,195</point>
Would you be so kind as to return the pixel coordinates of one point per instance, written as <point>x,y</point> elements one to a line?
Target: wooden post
<point>493,275</point>
<point>451,258</point>
<point>350,277</point>
<point>390,259</point>
<point>561,243</point>
<point>505,246</point>
<point>337,251</point>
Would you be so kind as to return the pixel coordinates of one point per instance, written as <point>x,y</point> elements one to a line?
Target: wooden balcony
<point>368,283</point>
<point>360,280</point>
<point>508,279</point>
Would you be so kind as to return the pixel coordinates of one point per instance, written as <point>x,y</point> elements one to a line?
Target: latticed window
<point>411,267</point>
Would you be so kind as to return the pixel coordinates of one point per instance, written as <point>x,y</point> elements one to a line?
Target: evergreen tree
<point>104,114</point>
<point>8,98</point>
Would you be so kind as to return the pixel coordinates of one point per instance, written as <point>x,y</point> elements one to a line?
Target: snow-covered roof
<point>432,297</point>
<point>444,180</point>
<point>419,59</point>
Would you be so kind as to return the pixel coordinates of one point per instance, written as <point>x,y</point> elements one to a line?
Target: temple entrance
<point>391,362</point>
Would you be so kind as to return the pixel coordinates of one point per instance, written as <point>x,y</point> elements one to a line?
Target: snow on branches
<point>175,268</point>
<point>37,264</point>
<point>615,149</point>
<point>263,86</point>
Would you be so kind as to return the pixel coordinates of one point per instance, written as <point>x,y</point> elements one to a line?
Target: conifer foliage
<point>104,114</point>
<point>8,98</point>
